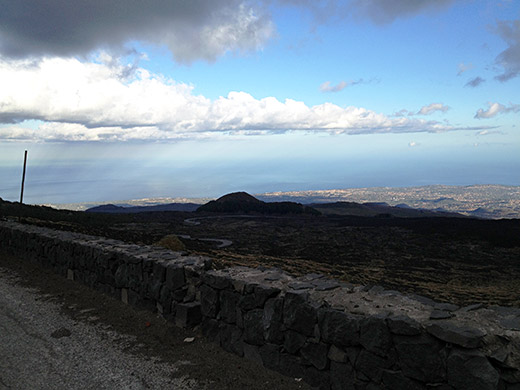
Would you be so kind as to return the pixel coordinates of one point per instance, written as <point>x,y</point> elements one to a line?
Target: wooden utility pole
<point>23,176</point>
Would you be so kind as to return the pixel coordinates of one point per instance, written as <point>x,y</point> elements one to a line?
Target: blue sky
<point>206,97</point>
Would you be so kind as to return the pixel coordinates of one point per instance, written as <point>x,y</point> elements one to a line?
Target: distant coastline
<point>485,201</point>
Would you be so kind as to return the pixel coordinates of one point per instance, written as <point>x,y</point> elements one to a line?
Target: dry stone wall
<point>331,334</point>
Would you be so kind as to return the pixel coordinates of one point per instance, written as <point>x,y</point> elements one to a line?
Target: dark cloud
<point>475,82</point>
<point>191,29</point>
<point>509,59</point>
<point>386,11</point>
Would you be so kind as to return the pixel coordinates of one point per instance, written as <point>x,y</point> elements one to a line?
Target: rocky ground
<point>457,260</point>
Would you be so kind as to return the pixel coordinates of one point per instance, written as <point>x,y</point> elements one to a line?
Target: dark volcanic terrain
<point>451,259</point>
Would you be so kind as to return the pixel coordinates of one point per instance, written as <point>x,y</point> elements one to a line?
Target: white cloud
<point>496,108</point>
<point>413,144</point>
<point>464,68</point>
<point>431,108</point>
<point>92,101</point>
<point>201,29</point>
<point>327,87</point>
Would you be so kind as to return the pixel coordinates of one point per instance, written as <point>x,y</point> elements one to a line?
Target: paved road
<point>41,348</point>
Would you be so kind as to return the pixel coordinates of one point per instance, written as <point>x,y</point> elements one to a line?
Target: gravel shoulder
<point>56,333</point>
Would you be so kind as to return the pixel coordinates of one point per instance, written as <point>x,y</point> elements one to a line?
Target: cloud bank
<point>195,29</point>
<point>103,101</point>
<point>496,108</point>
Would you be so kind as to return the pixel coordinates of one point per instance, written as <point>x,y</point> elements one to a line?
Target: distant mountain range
<point>244,203</point>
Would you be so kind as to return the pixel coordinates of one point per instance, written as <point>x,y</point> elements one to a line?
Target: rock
<point>316,354</point>
<point>395,380</point>
<point>298,314</point>
<point>252,352</point>
<point>471,370</point>
<point>216,280</point>
<point>228,306</point>
<point>61,332</point>
<point>209,301</point>
<point>341,376</point>
<point>375,336</point>
<point>270,355</point>
<point>253,327</point>
<point>421,357</point>
<point>475,306</point>
<point>337,355</point>
<point>338,328</point>
<point>325,284</point>
<point>231,339</point>
<point>272,320</point>
<point>188,314</point>
<point>174,278</point>
<point>293,341</point>
<point>262,293</point>
<point>371,365</point>
<point>446,307</point>
<point>210,329</point>
<point>464,336</point>
<point>403,325</point>
<point>440,315</point>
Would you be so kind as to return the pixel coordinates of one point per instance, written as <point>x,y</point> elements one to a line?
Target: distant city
<point>483,201</point>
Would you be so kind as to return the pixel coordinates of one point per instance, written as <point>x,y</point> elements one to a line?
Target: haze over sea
<point>198,99</point>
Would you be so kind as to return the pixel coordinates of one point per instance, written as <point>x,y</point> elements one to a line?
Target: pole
<point>23,176</point>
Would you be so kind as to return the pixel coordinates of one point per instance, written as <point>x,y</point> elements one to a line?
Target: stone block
<point>293,341</point>
<point>216,280</point>
<point>471,370</point>
<point>174,278</point>
<point>395,380</point>
<point>338,328</point>
<point>375,336</point>
<point>298,314</point>
<point>315,353</point>
<point>252,352</point>
<point>270,354</point>
<point>253,327</point>
<point>421,357</point>
<point>228,306</point>
<point>341,376</point>
<point>231,338</point>
<point>210,329</point>
<point>337,355</point>
<point>464,336</point>
<point>372,365</point>
<point>209,301</point>
<point>263,293</point>
<point>403,325</point>
<point>272,320</point>
<point>188,315</point>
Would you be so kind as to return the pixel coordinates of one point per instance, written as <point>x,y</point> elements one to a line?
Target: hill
<point>243,203</point>
<point>110,208</point>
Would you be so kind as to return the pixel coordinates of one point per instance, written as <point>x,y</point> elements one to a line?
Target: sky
<point>174,98</point>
